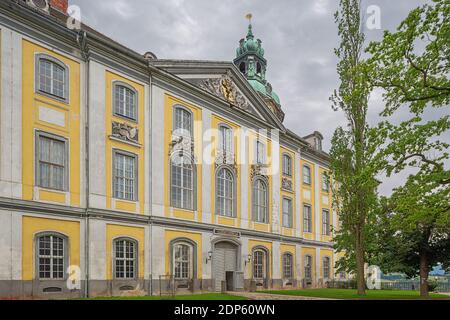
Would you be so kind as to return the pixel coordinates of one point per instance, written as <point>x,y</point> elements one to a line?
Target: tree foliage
<point>353,174</point>
<point>412,66</point>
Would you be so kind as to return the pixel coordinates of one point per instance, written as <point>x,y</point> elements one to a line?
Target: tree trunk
<point>424,272</point>
<point>360,264</point>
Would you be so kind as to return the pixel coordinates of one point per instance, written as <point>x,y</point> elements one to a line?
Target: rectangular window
<point>287,165</point>
<point>287,213</point>
<point>124,176</point>
<point>325,183</point>
<point>260,153</point>
<point>225,139</point>
<point>326,226</point>
<point>52,162</point>
<point>307,219</point>
<point>307,175</point>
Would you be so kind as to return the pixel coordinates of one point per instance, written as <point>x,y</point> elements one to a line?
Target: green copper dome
<point>265,90</point>
<point>251,63</point>
<point>250,45</point>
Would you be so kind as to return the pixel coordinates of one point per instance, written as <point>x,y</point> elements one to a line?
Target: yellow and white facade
<point>92,199</point>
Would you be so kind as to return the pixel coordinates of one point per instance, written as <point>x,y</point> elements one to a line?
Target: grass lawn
<point>201,297</point>
<point>352,294</point>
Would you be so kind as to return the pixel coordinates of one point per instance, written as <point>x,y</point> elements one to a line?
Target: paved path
<point>268,297</point>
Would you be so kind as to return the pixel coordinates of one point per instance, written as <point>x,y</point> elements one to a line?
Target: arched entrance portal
<point>225,263</point>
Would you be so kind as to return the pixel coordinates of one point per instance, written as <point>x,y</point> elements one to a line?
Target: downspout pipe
<point>82,42</point>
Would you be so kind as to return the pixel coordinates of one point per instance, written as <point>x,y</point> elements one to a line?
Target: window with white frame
<point>325,183</point>
<point>51,164</point>
<point>307,219</point>
<point>260,201</point>
<point>308,268</point>
<point>326,225</point>
<point>182,261</point>
<point>307,175</point>
<point>182,182</point>
<point>52,77</point>
<point>288,263</point>
<point>326,268</point>
<point>51,251</point>
<point>259,264</point>
<point>287,213</point>
<point>125,176</point>
<point>287,165</point>
<point>260,153</point>
<point>183,122</point>
<point>125,259</point>
<point>125,101</point>
<point>225,139</point>
<point>225,193</point>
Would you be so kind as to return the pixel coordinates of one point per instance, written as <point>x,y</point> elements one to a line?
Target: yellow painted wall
<point>169,103</point>
<point>139,151</point>
<point>268,245</point>
<point>31,226</point>
<point>311,201</point>
<point>196,237</point>
<point>216,122</point>
<point>118,231</point>
<point>288,194</point>
<point>30,123</point>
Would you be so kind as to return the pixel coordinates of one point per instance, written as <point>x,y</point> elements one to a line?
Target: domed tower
<point>252,64</point>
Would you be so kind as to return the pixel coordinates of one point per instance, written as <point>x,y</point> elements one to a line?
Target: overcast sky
<point>298,36</point>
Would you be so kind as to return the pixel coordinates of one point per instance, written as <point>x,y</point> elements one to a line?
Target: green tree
<point>412,66</point>
<point>351,150</point>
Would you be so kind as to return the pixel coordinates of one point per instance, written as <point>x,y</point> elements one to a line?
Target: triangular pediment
<point>223,80</point>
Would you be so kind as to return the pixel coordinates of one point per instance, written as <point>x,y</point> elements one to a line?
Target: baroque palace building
<point>123,173</point>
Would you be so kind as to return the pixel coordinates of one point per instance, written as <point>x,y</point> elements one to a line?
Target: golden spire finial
<point>249,17</point>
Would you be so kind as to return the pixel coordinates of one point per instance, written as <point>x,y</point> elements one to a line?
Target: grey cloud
<point>299,37</point>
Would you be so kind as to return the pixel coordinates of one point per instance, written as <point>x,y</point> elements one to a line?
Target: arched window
<point>125,258</point>
<point>182,182</point>
<point>259,264</point>
<point>183,261</point>
<point>225,139</point>
<point>51,256</point>
<point>308,268</point>
<point>125,101</point>
<point>225,193</point>
<point>326,268</point>
<point>52,77</point>
<point>287,165</point>
<point>288,263</point>
<point>183,122</point>
<point>260,201</point>
<point>307,175</point>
